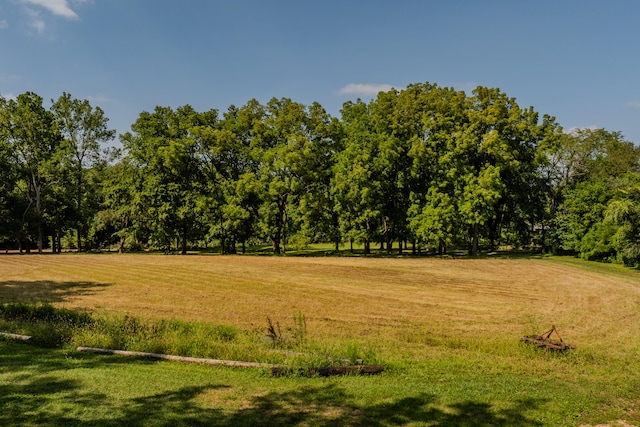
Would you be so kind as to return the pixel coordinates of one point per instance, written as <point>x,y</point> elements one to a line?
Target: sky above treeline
<point>576,60</point>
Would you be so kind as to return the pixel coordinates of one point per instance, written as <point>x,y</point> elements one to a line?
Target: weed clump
<point>294,337</point>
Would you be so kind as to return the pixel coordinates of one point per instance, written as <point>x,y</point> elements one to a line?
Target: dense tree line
<point>426,167</point>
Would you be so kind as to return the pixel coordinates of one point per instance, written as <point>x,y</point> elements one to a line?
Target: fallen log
<point>276,370</point>
<point>327,371</point>
<point>215,362</point>
<point>344,361</point>
<point>15,336</point>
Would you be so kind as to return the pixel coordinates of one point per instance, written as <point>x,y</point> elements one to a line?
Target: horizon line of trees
<point>423,167</point>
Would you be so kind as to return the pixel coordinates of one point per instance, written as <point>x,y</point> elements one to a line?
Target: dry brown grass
<point>342,297</point>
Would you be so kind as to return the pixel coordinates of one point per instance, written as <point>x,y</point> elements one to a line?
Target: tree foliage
<point>427,166</point>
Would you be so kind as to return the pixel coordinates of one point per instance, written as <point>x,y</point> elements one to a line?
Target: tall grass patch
<point>287,345</point>
<point>47,325</point>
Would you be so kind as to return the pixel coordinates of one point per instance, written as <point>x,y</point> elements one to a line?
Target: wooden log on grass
<point>15,336</point>
<point>215,362</point>
<point>327,370</point>
<point>276,370</point>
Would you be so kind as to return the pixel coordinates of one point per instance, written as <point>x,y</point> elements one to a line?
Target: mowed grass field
<point>446,330</point>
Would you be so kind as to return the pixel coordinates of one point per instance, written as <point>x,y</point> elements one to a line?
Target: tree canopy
<point>426,168</point>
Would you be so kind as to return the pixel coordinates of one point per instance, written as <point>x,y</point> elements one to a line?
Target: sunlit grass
<point>446,330</point>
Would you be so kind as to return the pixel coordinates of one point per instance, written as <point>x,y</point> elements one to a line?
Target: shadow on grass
<point>34,391</point>
<point>45,290</point>
<point>330,405</point>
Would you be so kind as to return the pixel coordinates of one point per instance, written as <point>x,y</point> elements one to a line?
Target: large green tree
<point>285,148</point>
<point>84,129</point>
<point>164,147</point>
<point>436,116</point>
<point>29,130</point>
<point>594,187</point>
<point>356,187</point>
<point>232,192</point>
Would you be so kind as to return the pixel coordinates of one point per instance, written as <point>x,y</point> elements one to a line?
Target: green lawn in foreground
<point>62,387</point>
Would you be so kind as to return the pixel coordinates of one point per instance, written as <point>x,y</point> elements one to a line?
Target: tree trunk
<point>40,237</point>
<point>39,216</point>
<point>37,188</point>
<point>19,240</point>
<point>275,243</point>
<point>474,242</point>
<point>281,218</point>
<point>79,204</point>
<point>222,237</point>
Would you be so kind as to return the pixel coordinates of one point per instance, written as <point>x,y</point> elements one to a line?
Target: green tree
<point>395,128</point>
<point>122,219</point>
<point>83,129</point>
<point>435,118</point>
<point>165,149</point>
<point>590,168</point>
<point>34,141</point>
<point>356,187</point>
<point>232,190</point>
<point>8,178</point>
<point>283,148</point>
<point>317,211</point>
<point>623,215</point>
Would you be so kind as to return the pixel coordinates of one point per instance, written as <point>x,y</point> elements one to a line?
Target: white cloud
<point>633,104</point>
<point>364,89</point>
<point>36,21</point>
<point>3,24</point>
<point>57,7</point>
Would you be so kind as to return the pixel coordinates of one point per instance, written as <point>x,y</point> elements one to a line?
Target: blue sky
<point>577,60</point>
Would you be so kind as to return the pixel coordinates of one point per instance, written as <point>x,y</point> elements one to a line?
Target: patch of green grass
<point>62,387</point>
<point>455,382</point>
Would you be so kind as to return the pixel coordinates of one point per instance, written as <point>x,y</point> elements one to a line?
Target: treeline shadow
<point>46,290</point>
<point>25,401</point>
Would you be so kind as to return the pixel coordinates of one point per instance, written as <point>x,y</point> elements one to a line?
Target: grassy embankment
<point>446,331</point>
